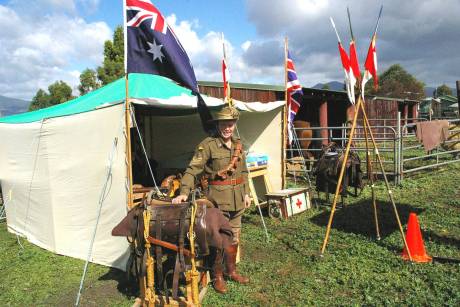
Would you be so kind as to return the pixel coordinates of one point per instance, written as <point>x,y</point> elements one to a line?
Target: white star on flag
<point>155,50</point>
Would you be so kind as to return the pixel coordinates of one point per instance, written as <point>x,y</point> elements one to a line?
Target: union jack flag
<point>146,10</point>
<point>294,94</point>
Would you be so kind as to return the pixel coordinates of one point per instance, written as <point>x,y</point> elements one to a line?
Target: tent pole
<point>129,169</point>
<point>284,120</point>
<point>342,172</point>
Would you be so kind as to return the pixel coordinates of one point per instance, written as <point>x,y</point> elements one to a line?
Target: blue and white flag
<point>153,48</point>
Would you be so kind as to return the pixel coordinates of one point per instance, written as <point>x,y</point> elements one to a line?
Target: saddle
<point>327,170</point>
<point>171,223</point>
<point>169,234</point>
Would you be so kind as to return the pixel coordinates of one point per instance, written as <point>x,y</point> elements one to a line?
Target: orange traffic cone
<point>415,242</point>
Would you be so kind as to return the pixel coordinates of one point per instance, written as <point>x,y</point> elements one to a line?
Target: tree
<point>396,82</point>
<point>40,100</point>
<point>113,65</point>
<point>442,90</point>
<point>88,81</point>
<point>59,92</point>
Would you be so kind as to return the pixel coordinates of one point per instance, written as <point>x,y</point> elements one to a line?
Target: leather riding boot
<point>230,262</point>
<point>218,270</point>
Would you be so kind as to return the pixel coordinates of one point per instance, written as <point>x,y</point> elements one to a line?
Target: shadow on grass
<point>440,239</point>
<point>358,218</point>
<point>127,287</point>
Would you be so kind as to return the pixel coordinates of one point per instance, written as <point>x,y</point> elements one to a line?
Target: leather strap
<point>236,181</point>
<point>175,285</point>
<point>237,154</point>
<point>158,251</point>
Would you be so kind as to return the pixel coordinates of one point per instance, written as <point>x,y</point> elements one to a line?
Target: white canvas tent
<point>54,162</point>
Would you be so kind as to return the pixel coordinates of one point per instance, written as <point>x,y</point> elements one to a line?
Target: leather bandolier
<point>236,157</point>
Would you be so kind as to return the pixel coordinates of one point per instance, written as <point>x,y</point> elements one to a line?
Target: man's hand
<point>247,201</point>
<point>179,199</point>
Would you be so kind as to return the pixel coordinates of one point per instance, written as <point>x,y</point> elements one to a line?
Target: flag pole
<point>347,81</point>
<point>349,23</point>
<point>373,38</point>
<point>284,120</point>
<point>370,172</point>
<point>335,30</point>
<point>129,169</point>
<point>128,161</point>
<point>378,20</point>
<point>227,95</point>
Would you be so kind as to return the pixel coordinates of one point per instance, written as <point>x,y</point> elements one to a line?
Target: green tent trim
<point>141,86</point>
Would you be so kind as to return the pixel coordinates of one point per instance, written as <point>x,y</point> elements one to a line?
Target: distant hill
<point>10,106</point>
<point>333,85</point>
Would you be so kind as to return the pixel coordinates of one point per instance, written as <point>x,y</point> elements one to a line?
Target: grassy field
<point>355,270</point>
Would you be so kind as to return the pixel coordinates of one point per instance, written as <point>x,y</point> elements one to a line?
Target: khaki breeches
<point>234,218</point>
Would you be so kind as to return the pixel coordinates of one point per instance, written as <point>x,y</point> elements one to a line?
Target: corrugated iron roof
<point>265,87</point>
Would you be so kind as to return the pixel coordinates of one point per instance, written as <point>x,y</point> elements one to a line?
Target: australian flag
<point>294,94</point>
<point>153,48</point>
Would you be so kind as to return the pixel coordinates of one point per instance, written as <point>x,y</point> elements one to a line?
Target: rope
<point>9,198</point>
<point>102,197</point>
<point>145,152</point>
<point>193,274</point>
<point>33,175</point>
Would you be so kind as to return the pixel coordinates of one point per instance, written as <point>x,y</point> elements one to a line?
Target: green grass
<point>355,270</point>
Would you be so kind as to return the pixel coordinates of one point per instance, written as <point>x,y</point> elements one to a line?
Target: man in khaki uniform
<point>222,160</point>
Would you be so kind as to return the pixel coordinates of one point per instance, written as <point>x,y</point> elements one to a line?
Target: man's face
<point>226,128</point>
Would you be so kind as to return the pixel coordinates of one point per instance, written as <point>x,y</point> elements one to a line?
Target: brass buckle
<point>233,181</point>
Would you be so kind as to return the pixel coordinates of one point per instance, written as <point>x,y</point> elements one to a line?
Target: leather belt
<point>227,182</point>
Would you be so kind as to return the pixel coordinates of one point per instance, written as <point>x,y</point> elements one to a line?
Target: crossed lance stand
<point>367,131</point>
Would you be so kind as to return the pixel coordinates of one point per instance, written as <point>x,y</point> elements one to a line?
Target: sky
<point>42,41</point>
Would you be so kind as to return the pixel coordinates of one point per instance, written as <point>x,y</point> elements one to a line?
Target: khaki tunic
<point>211,156</point>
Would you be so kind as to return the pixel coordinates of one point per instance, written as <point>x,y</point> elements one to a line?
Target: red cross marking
<point>298,203</point>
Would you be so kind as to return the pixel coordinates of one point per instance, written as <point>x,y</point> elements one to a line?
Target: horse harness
<point>327,170</point>
<point>170,223</point>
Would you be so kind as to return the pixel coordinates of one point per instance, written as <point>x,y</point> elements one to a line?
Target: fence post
<point>458,97</point>
<point>399,157</point>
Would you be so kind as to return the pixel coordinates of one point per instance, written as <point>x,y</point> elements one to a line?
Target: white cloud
<point>421,35</point>
<point>42,51</point>
<point>245,46</point>
<point>409,34</point>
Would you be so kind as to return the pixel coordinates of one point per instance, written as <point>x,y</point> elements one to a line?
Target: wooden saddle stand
<point>160,224</point>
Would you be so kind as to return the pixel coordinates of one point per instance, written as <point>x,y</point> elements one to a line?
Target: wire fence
<point>402,153</point>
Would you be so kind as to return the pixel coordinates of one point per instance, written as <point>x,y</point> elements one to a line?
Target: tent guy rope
<point>103,195</point>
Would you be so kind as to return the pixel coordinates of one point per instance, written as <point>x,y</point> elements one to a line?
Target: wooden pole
<point>370,176</point>
<point>458,96</point>
<point>324,132</point>
<point>129,169</point>
<point>284,120</point>
<point>390,193</point>
<point>227,96</point>
<point>342,171</point>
